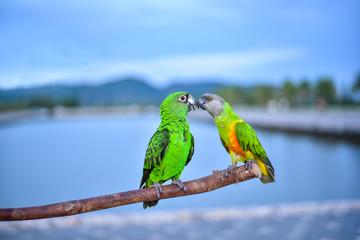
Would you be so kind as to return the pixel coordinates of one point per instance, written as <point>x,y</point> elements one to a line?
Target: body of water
<point>54,160</point>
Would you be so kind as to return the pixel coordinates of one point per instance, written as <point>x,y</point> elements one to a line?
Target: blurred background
<point>81,83</point>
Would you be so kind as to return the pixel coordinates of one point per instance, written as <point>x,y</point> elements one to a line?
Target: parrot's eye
<point>209,99</point>
<point>182,98</point>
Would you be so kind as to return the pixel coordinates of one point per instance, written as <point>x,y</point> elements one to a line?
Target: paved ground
<point>323,221</point>
<point>338,123</point>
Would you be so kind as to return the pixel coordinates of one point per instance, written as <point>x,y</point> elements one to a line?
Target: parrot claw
<point>158,188</point>
<point>229,170</point>
<point>248,164</point>
<point>179,183</point>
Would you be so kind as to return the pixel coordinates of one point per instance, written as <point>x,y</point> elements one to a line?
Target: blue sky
<point>240,42</point>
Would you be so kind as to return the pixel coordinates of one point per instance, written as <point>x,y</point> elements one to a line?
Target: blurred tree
<point>232,94</point>
<point>69,102</point>
<point>356,86</point>
<point>42,101</point>
<point>6,106</point>
<point>249,96</point>
<point>325,89</point>
<point>289,91</point>
<point>262,94</point>
<point>304,92</point>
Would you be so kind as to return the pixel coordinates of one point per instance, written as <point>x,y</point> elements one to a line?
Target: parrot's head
<point>178,103</point>
<point>212,103</point>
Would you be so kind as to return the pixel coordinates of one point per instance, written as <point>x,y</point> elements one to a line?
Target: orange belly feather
<point>235,147</point>
<point>233,142</point>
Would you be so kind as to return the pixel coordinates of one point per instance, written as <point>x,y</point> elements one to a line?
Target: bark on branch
<point>201,185</point>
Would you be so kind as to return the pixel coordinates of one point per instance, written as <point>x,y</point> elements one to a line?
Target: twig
<point>201,185</point>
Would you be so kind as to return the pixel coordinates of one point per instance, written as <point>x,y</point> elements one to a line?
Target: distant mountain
<point>123,91</point>
<point>195,89</point>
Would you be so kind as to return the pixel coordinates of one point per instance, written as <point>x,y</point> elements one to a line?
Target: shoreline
<point>279,210</point>
<point>340,123</point>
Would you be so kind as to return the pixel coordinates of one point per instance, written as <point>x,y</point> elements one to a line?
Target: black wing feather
<point>155,153</point>
<point>192,150</point>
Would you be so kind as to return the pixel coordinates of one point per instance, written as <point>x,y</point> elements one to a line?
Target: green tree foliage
<point>69,102</point>
<point>289,91</point>
<point>257,95</point>
<point>356,86</point>
<point>235,95</point>
<point>7,106</point>
<point>263,93</point>
<point>304,92</point>
<point>325,89</point>
<point>42,101</point>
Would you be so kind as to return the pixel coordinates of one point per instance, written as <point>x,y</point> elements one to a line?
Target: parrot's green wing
<point>191,152</point>
<point>155,152</point>
<point>249,141</point>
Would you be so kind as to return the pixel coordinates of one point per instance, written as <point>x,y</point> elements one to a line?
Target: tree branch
<point>201,185</point>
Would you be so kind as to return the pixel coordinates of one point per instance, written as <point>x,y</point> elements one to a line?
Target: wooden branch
<point>201,185</point>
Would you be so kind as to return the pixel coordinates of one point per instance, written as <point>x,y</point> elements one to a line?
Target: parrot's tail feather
<point>270,177</point>
<point>150,204</point>
<point>265,165</point>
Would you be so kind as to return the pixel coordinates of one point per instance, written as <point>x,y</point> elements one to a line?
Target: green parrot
<point>171,147</point>
<point>237,137</point>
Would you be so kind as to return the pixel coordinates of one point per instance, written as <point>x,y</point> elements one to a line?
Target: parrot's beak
<point>191,102</point>
<point>201,104</point>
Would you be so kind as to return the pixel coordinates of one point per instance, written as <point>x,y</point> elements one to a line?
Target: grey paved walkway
<point>323,221</point>
<point>331,123</point>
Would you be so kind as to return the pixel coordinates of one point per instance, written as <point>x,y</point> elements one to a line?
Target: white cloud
<point>160,70</point>
<point>227,65</point>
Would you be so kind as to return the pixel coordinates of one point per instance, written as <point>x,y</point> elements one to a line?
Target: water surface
<point>54,160</point>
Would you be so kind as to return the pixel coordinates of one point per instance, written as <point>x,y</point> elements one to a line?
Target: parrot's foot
<point>158,188</point>
<point>179,183</point>
<point>248,164</point>
<point>230,169</point>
